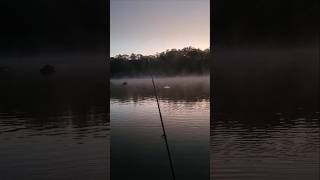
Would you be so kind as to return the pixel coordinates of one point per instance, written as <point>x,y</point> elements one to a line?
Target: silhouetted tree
<point>188,60</point>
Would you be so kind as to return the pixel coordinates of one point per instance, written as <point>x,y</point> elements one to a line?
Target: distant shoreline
<point>174,62</point>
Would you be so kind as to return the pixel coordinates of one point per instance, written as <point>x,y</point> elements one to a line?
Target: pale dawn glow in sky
<point>150,26</point>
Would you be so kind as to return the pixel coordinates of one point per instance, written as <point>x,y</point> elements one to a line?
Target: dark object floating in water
<point>47,70</point>
<point>124,83</point>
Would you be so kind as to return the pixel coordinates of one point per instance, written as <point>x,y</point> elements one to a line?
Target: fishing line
<point>162,124</point>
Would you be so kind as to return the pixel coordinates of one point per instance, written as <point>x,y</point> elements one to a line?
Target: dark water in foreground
<point>277,146</point>
<point>55,126</point>
<point>55,146</point>
<point>137,147</point>
<point>265,121</point>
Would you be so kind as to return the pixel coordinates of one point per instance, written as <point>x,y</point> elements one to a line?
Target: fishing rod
<point>162,124</point>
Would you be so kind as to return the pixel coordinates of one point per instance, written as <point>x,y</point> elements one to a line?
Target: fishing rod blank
<point>163,129</point>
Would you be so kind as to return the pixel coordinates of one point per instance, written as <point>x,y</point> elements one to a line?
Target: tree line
<point>188,60</point>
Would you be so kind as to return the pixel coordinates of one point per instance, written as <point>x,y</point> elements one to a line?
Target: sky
<point>150,26</point>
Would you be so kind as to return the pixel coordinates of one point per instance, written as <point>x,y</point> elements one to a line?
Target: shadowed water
<point>265,121</point>
<point>54,126</point>
<point>137,145</point>
<point>265,146</point>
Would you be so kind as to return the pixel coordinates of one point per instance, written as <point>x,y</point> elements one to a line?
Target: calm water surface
<point>265,123</point>
<point>280,146</point>
<point>137,146</point>
<point>56,126</point>
<point>66,145</point>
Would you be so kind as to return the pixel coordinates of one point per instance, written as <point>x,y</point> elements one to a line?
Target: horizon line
<point>159,52</point>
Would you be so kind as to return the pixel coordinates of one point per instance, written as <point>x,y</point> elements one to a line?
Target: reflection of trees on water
<point>257,87</point>
<point>46,103</point>
<point>182,89</point>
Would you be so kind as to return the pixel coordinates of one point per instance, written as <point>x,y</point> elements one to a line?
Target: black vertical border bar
<point>107,58</point>
<point>212,54</point>
<point>211,60</point>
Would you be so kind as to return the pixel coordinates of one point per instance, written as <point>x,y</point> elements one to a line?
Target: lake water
<point>265,123</point>
<point>277,146</point>
<point>138,149</point>
<point>62,145</point>
<point>55,126</point>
